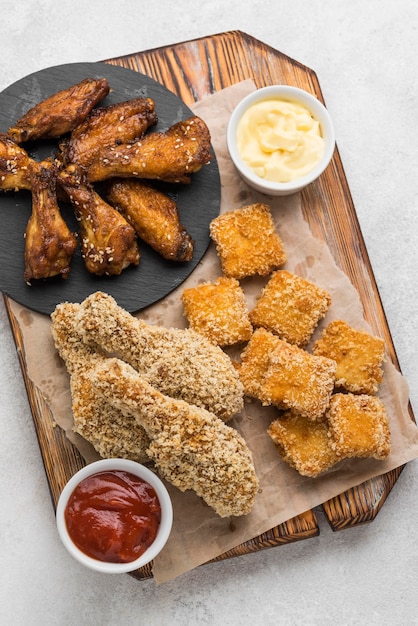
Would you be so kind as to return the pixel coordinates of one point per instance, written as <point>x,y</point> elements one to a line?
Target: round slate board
<point>137,287</point>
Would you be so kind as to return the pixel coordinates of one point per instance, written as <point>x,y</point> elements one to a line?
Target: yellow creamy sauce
<point>279,140</point>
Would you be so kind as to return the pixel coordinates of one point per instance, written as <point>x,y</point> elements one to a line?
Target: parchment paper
<point>198,533</point>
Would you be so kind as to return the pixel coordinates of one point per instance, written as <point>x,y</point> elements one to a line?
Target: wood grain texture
<point>193,70</point>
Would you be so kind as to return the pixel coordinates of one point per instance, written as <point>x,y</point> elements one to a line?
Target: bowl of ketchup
<point>114,515</point>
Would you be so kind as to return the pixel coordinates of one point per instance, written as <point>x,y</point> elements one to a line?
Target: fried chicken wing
<point>108,242</point>
<point>110,432</point>
<point>119,123</point>
<point>191,447</point>
<point>153,215</point>
<point>179,363</point>
<point>172,156</point>
<point>49,243</point>
<point>14,165</point>
<point>60,113</point>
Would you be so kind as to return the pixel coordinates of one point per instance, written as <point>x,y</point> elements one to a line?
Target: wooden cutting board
<point>194,70</point>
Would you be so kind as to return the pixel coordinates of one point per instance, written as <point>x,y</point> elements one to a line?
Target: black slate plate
<point>137,287</point>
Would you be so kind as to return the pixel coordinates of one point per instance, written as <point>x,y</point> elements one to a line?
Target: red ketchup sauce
<point>113,516</point>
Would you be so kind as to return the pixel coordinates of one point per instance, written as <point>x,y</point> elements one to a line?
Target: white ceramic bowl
<point>138,470</point>
<point>319,112</point>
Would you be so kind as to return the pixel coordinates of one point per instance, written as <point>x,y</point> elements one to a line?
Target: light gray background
<point>365,55</point>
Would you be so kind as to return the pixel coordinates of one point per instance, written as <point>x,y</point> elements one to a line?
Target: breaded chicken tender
<point>359,357</point>
<point>191,447</point>
<point>179,363</point>
<point>359,426</point>
<point>291,307</point>
<point>247,242</point>
<point>111,432</point>
<point>218,311</point>
<point>303,444</point>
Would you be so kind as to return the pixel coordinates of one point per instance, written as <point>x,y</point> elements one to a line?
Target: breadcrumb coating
<point>358,426</point>
<point>218,311</point>
<point>291,307</point>
<point>359,357</point>
<point>303,444</point>
<point>286,376</point>
<point>179,363</point>
<point>111,433</point>
<point>247,242</point>
<point>191,447</point>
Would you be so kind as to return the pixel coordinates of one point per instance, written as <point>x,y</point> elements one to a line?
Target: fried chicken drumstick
<point>191,447</point>
<point>14,165</point>
<point>49,244</point>
<point>108,242</point>
<point>172,156</point>
<point>60,113</point>
<point>179,363</point>
<point>110,432</point>
<point>113,125</point>
<point>153,215</point>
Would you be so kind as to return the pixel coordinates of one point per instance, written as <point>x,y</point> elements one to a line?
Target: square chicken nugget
<point>291,307</point>
<point>247,242</point>
<point>303,444</point>
<point>218,311</point>
<point>255,361</point>
<point>359,426</point>
<point>299,381</point>
<point>286,376</point>
<point>358,354</point>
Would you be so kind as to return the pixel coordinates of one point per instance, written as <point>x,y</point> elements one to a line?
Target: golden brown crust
<point>291,307</point>
<point>218,311</point>
<point>286,376</point>
<point>192,448</point>
<point>304,445</point>
<point>247,242</point>
<point>110,432</point>
<point>359,357</point>
<point>358,426</point>
<point>179,363</point>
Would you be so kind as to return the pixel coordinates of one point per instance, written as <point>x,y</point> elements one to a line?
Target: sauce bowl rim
<point>138,470</point>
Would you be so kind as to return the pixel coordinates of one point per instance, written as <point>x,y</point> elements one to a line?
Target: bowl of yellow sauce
<point>280,139</point>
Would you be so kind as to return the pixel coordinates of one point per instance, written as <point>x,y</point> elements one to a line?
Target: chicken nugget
<point>359,357</point>
<point>358,426</point>
<point>247,242</point>
<point>218,311</point>
<point>303,444</point>
<point>286,376</point>
<point>291,307</point>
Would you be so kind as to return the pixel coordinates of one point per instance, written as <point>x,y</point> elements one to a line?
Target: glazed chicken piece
<point>49,243</point>
<point>14,165</point>
<point>191,447</point>
<point>172,156</point>
<point>108,242</point>
<point>116,124</point>
<point>60,113</point>
<point>154,217</point>
<point>110,432</point>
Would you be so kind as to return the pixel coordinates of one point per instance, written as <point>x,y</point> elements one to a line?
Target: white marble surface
<point>364,53</point>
